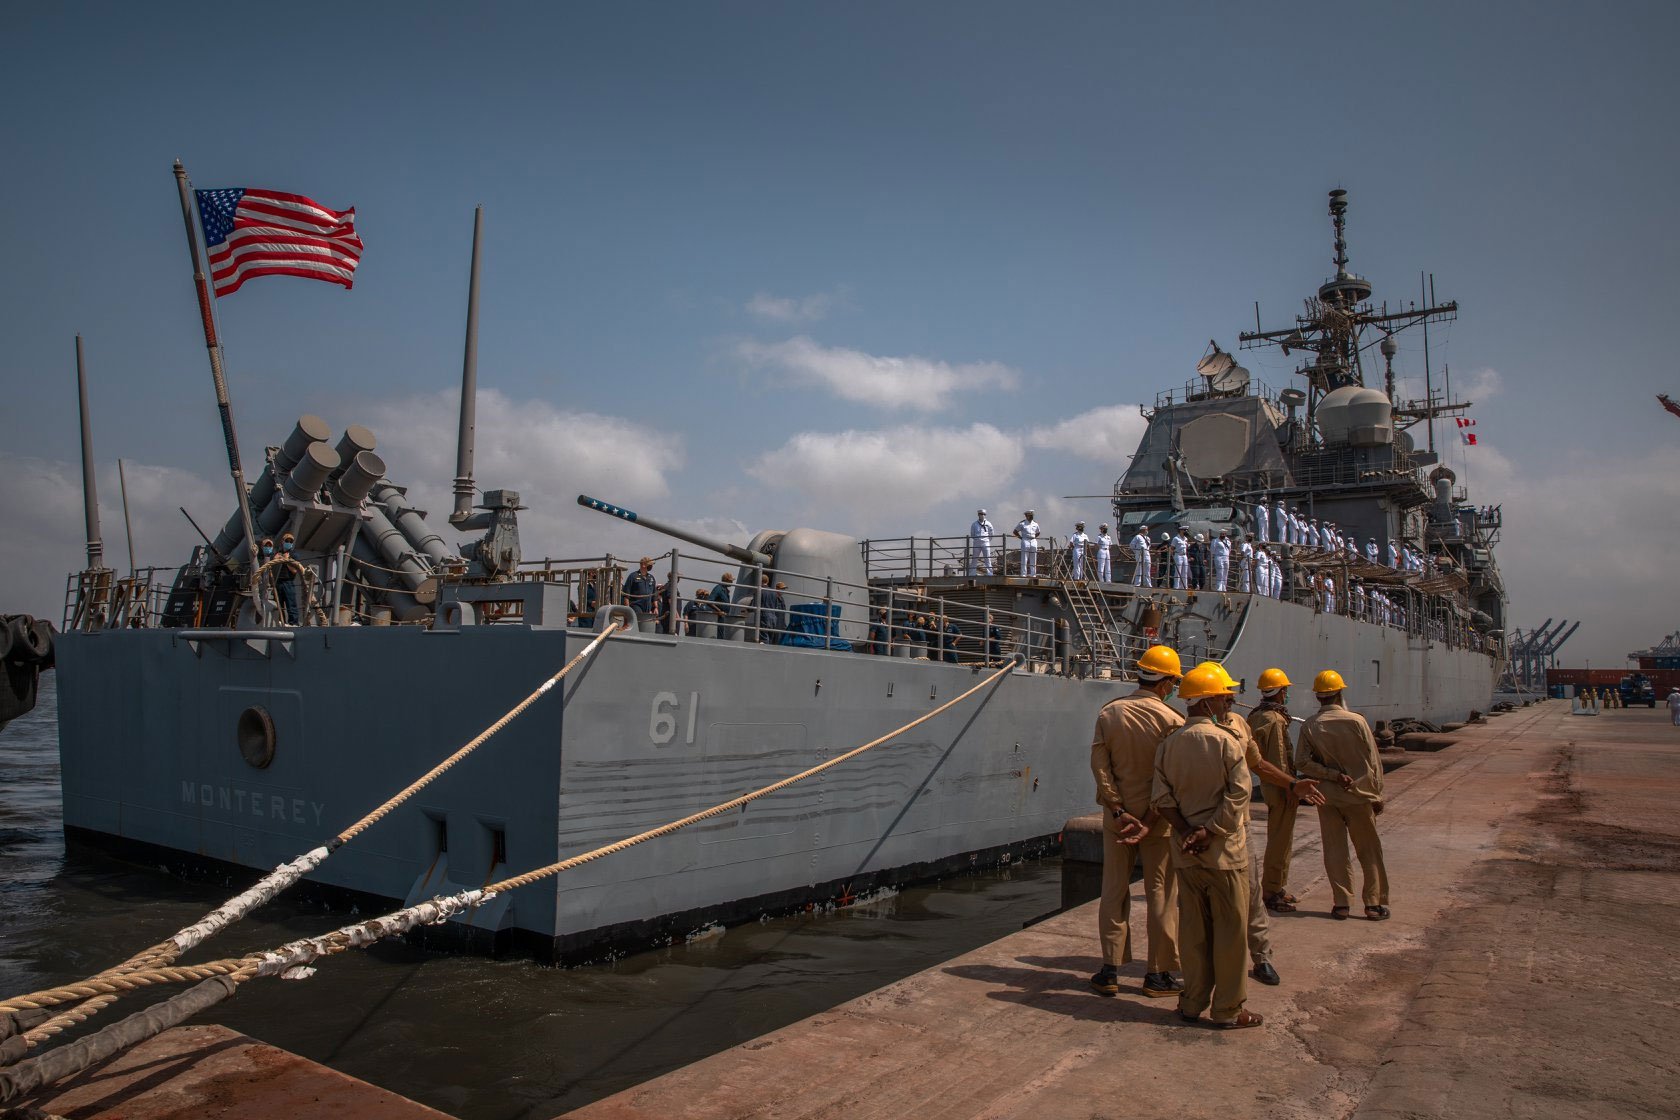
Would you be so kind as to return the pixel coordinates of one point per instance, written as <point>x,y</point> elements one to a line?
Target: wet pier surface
<point>1530,969</point>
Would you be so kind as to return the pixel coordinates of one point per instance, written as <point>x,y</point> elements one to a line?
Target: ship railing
<point>793,609</point>
<point>1332,467</point>
<point>909,559</point>
<point>1196,389</point>
<point>99,599</point>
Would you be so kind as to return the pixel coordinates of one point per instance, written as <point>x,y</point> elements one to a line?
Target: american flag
<point>250,232</point>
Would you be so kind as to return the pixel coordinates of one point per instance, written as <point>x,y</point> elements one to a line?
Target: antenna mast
<point>1334,319</point>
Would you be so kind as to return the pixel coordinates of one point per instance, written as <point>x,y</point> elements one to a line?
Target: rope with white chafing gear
<point>152,960</point>
<point>291,961</point>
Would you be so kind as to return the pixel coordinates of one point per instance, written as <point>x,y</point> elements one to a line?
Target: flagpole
<point>213,345</point>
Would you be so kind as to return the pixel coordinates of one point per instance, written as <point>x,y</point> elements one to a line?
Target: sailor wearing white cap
<point>1027,529</point>
<point>1180,560</point>
<point>1280,519</point>
<point>1076,546</point>
<point>1371,550</point>
<point>980,544</point>
<point>1261,514</point>
<point>1221,559</point>
<point>1141,572</point>
<point>1245,564</point>
<point>1105,545</point>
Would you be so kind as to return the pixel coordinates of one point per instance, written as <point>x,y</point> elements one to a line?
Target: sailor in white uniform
<point>1371,550</point>
<point>1105,545</point>
<point>1393,555</point>
<point>1280,520</point>
<point>1142,573</point>
<point>1261,513</point>
<point>1076,547</point>
<point>1245,564</point>
<point>1180,560</point>
<point>1277,578</point>
<point>980,544</point>
<point>1329,595</point>
<point>1027,529</point>
<point>1221,559</point>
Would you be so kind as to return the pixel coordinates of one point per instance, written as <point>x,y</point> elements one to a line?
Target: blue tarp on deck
<point>808,626</point>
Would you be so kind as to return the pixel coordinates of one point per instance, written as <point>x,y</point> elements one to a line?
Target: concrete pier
<point>1530,969</point>
<point>194,1072</point>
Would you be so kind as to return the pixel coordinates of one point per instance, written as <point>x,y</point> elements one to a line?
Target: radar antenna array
<point>1224,376</point>
<point>1329,330</point>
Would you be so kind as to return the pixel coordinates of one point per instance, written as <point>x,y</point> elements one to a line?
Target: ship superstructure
<point>200,722</point>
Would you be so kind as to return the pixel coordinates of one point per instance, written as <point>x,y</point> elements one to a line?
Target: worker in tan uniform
<point>1129,729</point>
<point>1270,724</point>
<point>1293,790</point>
<point>1337,747</point>
<point>1202,788</point>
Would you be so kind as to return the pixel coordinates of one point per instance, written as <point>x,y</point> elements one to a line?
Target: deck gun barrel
<point>733,551</point>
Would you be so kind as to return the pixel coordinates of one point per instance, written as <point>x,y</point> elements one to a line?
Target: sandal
<point>1280,903</point>
<point>1340,913</point>
<point>1287,897</point>
<point>1377,913</point>
<point>1243,1019</point>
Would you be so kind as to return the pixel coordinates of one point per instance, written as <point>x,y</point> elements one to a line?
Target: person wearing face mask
<point>286,578</point>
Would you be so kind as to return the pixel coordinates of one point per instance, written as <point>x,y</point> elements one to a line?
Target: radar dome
<point>1334,422</point>
<point>1370,420</point>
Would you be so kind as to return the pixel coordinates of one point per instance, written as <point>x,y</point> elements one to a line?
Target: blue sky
<point>708,225</point>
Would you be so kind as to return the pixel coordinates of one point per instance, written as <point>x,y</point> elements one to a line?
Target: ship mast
<point>1334,320</point>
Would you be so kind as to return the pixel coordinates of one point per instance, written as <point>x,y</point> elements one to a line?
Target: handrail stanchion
<point>828,613</point>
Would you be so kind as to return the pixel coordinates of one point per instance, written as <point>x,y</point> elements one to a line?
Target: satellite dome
<point>1370,418</point>
<point>1334,422</point>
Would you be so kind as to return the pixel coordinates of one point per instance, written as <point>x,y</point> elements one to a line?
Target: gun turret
<point>733,551</point>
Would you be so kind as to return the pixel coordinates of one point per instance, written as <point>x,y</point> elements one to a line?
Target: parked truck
<point>1636,689</point>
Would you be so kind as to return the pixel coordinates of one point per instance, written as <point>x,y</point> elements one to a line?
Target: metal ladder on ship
<point>1096,624</point>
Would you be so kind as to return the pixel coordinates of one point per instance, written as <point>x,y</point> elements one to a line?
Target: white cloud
<point>547,454</point>
<point>45,538</point>
<point>1580,542</point>
<point>895,472</point>
<point>529,446</point>
<point>1481,386</point>
<point>791,309</point>
<point>919,383</point>
<point>1106,435</point>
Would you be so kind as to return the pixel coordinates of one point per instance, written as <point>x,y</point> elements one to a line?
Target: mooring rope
<point>153,961</point>
<point>292,959</point>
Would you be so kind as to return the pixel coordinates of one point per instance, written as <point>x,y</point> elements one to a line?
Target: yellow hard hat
<point>1160,660</point>
<point>1204,681</point>
<point>1230,682</point>
<point>1327,682</point>
<point>1273,679</point>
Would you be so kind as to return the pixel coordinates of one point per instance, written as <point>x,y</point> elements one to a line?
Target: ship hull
<point>649,730</point>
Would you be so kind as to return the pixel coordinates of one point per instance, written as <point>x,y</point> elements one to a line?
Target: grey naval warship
<point>199,727</point>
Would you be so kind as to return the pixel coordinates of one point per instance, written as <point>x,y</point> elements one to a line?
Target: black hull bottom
<point>603,944</point>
